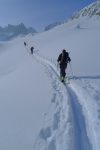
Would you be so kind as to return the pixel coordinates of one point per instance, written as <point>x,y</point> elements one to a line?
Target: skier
<point>63,60</point>
<point>25,43</point>
<point>32,49</point>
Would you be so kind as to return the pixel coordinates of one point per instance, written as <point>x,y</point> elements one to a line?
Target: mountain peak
<point>50,26</point>
<point>91,10</point>
<point>11,31</point>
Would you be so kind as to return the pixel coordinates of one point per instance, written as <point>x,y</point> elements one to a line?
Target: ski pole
<point>71,70</point>
<point>57,66</point>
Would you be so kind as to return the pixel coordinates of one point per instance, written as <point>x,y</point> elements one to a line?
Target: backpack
<point>64,57</point>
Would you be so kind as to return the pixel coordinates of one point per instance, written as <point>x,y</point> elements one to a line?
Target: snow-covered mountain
<point>11,31</point>
<point>89,11</point>
<point>50,26</point>
<point>37,111</point>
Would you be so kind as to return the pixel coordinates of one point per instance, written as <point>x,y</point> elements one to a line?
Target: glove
<point>69,60</point>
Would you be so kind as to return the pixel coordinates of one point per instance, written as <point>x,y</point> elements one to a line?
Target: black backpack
<point>64,57</point>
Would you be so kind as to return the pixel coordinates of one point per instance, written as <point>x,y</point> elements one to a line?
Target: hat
<point>64,51</point>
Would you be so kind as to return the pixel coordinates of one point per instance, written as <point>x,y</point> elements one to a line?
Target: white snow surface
<point>37,111</point>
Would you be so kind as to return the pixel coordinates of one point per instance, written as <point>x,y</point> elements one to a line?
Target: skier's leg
<point>65,67</point>
<point>31,51</point>
<point>62,73</point>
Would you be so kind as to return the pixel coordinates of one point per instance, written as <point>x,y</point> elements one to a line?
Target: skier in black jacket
<point>63,60</point>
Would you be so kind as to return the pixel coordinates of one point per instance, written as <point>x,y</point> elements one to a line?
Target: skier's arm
<point>69,59</point>
<point>59,58</point>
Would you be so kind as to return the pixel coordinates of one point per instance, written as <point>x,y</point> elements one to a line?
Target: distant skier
<point>24,43</point>
<point>63,60</point>
<point>32,48</point>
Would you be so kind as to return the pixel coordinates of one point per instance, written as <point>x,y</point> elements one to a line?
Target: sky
<point>38,13</point>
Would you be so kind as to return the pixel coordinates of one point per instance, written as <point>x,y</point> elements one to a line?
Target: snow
<point>21,103</point>
<point>39,112</point>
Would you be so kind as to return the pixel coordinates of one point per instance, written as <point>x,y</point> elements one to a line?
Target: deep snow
<point>36,110</point>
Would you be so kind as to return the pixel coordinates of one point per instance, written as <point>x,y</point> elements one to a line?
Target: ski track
<point>80,133</point>
<point>79,136</point>
<point>82,140</point>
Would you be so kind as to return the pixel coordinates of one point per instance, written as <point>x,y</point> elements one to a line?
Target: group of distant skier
<point>63,60</point>
<point>31,49</point>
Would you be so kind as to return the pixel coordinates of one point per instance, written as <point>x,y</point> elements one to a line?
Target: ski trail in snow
<point>89,98</point>
<point>80,137</point>
<point>82,141</point>
<point>80,132</point>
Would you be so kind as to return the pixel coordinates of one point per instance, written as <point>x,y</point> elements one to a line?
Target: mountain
<point>11,31</point>
<point>50,26</point>
<point>89,11</point>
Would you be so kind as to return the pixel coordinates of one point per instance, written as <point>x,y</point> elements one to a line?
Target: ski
<point>65,80</point>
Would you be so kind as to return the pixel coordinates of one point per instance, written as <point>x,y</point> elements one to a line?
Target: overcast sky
<point>38,13</point>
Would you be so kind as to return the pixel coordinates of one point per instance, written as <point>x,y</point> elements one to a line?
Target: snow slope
<point>22,100</point>
<point>36,110</point>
